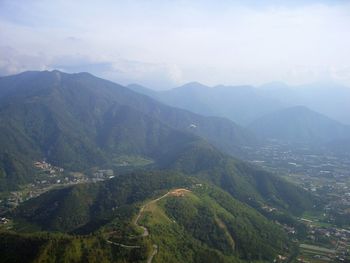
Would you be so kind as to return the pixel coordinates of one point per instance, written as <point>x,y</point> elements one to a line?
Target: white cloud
<point>12,62</point>
<point>162,43</point>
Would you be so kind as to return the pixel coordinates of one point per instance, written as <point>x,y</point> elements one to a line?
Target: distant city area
<point>326,175</point>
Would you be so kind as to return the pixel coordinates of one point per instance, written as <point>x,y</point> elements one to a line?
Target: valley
<point>175,131</point>
<point>326,175</point>
<point>327,236</point>
<point>146,182</point>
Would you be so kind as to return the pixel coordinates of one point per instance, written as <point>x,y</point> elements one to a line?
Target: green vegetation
<point>127,160</point>
<point>203,224</point>
<point>213,223</point>
<point>63,118</point>
<point>86,207</point>
<point>81,123</point>
<point>317,217</point>
<point>245,182</point>
<point>78,121</point>
<point>50,248</point>
<point>315,254</point>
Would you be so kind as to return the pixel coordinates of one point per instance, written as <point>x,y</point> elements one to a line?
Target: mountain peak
<point>79,74</point>
<point>56,71</point>
<point>57,75</point>
<point>193,86</point>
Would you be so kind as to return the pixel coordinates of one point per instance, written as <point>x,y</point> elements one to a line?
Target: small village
<point>47,178</point>
<point>325,243</point>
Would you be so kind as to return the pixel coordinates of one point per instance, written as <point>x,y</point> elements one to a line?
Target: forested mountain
<point>174,131</point>
<point>299,124</point>
<point>77,121</point>
<point>196,203</point>
<point>197,218</point>
<point>243,181</point>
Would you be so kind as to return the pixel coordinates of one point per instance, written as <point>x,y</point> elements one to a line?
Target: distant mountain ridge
<point>244,104</point>
<point>299,124</point>
<point>328,98</point>
<point>241,104</point>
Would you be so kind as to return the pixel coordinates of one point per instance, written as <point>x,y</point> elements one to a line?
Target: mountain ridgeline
<point>241,104</point>
<point>77,121</point>
<point>272,111</point>
<point>245,104</point>
<point>196,201</point>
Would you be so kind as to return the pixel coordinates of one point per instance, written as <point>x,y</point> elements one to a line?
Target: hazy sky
<point>166,43</point>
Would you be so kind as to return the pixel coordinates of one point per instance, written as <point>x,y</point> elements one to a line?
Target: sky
<point>166,43</point>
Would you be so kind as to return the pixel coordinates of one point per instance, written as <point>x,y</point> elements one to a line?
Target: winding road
<point>145,229</point>
<point>122,245</point>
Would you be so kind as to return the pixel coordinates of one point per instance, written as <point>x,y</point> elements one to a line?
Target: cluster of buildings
<point>49,177</point>
<point>293,159</point>
<point>325,244</point>
<point>101,175</point>
<point>43,165</point>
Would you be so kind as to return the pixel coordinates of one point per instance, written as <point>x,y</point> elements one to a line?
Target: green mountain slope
<point>193,225</point>
<point>55,247</point>
<point>77,121</point>
<point>217,221</point>
<point>243,181</point>
<point>74,208</point>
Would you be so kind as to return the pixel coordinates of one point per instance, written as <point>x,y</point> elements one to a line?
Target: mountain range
<point>241,104</point>
<point>77,121</point>
<point>195,202</point>
<point>245,104</point>
<point>272,111</point>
